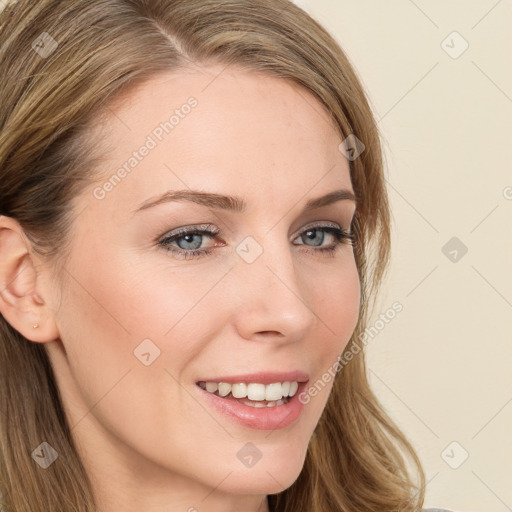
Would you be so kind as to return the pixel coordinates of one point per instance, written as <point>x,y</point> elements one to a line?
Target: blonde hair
<point>357,458</point>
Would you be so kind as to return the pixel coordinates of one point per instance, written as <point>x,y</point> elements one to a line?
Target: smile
<point>253,394</point>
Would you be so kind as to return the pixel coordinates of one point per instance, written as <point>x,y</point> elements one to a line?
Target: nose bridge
<point>271,295</point>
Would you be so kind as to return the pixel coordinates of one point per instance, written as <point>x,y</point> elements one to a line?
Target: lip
<point>261,378</point>
<point>263,418</point>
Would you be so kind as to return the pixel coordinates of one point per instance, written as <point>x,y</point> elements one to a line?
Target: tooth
<point>239,390</point>
<point>256,391</point>
<point>273,391</point>
<point>271,404</point>
<point>258,404</point>
<point>224,388</point>
<point>280,402</point>
<point>211,387</point>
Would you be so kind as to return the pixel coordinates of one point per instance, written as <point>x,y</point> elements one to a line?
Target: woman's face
<point>145,315</point>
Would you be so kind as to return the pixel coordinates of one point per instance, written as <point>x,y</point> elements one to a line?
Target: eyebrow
<point>235,204</point>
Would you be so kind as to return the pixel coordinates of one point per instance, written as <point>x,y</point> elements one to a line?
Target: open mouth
<point>253,394</point>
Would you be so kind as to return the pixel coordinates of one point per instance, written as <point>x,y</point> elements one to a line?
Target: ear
<point>22,299</point>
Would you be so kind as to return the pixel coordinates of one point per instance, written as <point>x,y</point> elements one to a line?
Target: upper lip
<point>261,377</point>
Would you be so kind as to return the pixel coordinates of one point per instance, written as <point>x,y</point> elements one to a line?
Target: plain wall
<point>442,365</point>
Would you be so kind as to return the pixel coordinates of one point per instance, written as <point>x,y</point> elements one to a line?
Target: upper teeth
<point>254,391</point>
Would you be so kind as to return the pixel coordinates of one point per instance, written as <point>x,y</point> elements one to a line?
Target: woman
<point>194,225</point>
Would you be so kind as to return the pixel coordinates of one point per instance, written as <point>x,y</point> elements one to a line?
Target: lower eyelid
<point>337,232</point>
<point>330,230</point>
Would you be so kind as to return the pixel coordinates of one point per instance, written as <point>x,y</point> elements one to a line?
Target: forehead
<point>224,130</point>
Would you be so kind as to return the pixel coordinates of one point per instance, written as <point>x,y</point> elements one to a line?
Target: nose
<point>272,295</point>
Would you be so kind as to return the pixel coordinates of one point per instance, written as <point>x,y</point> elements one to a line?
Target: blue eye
<point>189,240</point>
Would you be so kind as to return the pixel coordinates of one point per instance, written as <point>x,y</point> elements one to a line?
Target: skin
<point>147,439</point>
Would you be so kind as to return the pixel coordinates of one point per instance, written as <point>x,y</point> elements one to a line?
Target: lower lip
<point>259,418</point>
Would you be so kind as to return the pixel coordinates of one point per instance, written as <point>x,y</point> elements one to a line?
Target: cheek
<point>336,302</point>
<point>104,321</point>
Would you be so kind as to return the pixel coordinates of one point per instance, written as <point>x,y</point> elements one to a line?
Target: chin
<point>270,476</point>
<point>261,482</point>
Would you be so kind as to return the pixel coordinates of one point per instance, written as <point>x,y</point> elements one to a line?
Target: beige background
<point>442,366</point>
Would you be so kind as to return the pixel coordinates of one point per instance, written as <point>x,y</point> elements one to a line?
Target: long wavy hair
<point>357,459</point>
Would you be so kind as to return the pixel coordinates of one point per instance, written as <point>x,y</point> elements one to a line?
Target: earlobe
<point>20,302</point>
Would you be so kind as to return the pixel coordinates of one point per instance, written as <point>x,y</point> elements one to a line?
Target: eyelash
<point>341,236</point>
